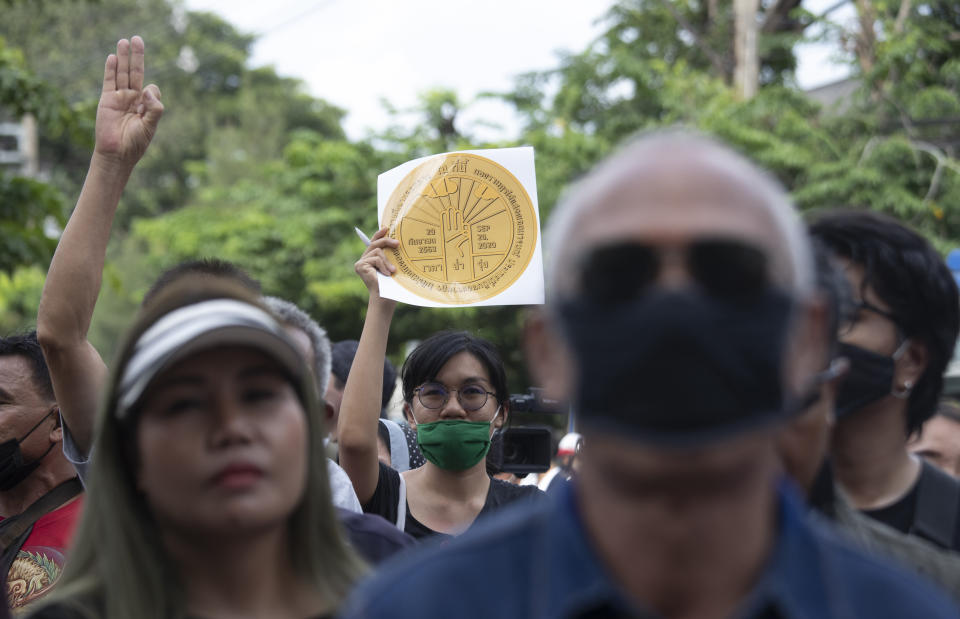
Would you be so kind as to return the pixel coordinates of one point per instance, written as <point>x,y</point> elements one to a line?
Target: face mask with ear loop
<point>870,378</point>
<point>838,367</point>
<point>455,444</point>
<point>13,469</point>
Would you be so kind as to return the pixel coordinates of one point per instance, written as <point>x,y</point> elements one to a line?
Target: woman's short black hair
<point>911,278</point>
<point>425,362</point>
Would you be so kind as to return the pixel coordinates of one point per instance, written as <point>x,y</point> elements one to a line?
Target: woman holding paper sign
<point>455,394</point>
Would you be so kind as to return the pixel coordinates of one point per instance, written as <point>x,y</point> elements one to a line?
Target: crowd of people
<point>761,432</point>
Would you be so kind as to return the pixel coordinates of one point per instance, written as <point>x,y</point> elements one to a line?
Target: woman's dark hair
<point>911,278</point>
<point>342,354</point>
<point>425,362</point>
<point>118,528</point>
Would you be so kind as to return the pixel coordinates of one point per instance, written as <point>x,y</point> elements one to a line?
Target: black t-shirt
<point>902,515</point>
<point>386,498</point>
<point>898,515</point>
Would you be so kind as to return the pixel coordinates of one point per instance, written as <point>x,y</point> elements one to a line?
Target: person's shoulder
<point>933,562</point>
<point>56,527</point>
<point>69,511</point>
<point>501,545</point>
<point>937,513</point>
<point>373,538</point>
<point>372,525</point>
<point>877,587</point>
<point>504,492</point>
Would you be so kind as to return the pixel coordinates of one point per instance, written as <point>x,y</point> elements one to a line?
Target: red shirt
<point>40,561</point>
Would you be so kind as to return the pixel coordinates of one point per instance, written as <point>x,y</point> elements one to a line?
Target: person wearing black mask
<point>683,325</point>
<point>898,343</point>
<point>804,444</point>
<point>38,487</point>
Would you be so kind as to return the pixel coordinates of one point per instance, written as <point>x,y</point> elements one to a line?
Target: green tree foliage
<point>217,108</point>
<point>891,147</point>
<point>26,205</point>
<point>430,127</point>
<point>249,168</point>
<point>291,227</point>
<point>19,297</point>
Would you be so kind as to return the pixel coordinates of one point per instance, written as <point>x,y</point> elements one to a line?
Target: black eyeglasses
<point>724,268</point>
<point>851,320</point>
<point>436,395</point>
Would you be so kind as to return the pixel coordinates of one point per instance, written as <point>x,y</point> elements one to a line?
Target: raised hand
<point>128,113</point>
<point>374,259</point>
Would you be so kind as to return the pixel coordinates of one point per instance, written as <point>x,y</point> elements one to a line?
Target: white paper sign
<point>469,229</point>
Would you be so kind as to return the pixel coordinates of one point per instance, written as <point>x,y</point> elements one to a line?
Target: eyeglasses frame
<point>419,392</point>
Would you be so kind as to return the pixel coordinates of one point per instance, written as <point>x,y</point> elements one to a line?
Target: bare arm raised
<point>360,406</point>
<point>127,119</point>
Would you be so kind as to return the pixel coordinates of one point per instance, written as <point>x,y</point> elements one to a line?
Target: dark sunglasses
<point>724,268</point>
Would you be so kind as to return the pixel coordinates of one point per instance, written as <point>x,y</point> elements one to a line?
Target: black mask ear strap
<point>837,368</point>
<point>813,392</point>
<point>20,440</point>
<point>45,453</point>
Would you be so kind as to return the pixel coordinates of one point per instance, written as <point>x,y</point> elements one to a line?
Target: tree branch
<point>747,66</point>
<point>902,14</point>
<point>868,148</point>
<point>777,14</point>
<point>865,40</point>
<point>716,61</point>
<point>942,162</point>
<point>833,7</point>
<point>934,183</point>
<point>902,113</point>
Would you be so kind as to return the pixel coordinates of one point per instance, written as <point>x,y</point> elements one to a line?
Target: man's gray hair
<point>292,316</point>
<point>683,146</point>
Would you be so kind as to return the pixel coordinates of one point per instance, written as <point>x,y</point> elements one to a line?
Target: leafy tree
<point>429,127</point>
<point>19,297</point>
<point>656,64</point>
<point>217,109</point>
<point>27,205</point>
<point>249,168</point>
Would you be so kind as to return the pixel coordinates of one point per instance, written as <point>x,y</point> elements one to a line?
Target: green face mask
<point>454,444</point>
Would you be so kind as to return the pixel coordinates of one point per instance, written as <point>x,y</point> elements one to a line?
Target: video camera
<point>524,447</point>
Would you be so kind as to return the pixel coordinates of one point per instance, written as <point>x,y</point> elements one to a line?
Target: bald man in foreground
<point>682,324</point>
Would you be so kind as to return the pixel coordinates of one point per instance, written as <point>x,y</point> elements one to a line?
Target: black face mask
<point>870,379</point>
<point>13,469</point>
<point>679,367</point>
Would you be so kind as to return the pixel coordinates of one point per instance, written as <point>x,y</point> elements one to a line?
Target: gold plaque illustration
<point>466,226</point>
